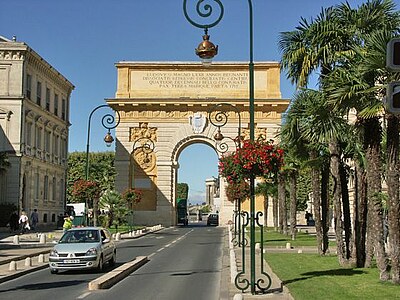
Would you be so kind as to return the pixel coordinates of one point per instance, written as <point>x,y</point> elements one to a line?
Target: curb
<point>23,272</point>
<point>109,279</point>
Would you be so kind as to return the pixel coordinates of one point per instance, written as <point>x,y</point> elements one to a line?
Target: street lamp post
<point>219,116</point>
<point>108,122</point>
<point>207,50</point>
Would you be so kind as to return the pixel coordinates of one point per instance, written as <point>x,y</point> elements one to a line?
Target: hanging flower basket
<point>255,158</point>
<point>132,196</point>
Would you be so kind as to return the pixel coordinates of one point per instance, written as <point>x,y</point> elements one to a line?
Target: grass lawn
<point>313,277</point>
<point>124,228</point>
<point>310,276</point>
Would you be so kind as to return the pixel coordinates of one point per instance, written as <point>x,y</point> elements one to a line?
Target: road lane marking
<point>84,295</point>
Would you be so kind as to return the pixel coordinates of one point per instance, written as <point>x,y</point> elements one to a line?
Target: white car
<point>83,248</point>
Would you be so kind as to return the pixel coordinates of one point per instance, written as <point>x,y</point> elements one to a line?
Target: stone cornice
<point>278,105</point>
<point>16,51</point>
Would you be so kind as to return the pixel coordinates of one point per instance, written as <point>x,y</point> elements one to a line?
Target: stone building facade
<point>164,108</point>
<point>34,124</point>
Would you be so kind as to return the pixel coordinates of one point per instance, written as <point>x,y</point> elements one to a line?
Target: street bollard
<point>13,266</point>
<point>28,262</point>
<point>118,236</point>
<point>257,246</point>
<point>288,246</point>
<point>16,240</point>
<point>299,251</point>
<point>41,259</point>
<point>42,239</point>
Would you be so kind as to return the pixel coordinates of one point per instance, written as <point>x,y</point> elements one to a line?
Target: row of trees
<point>341,131</point>
<point>98,191</point>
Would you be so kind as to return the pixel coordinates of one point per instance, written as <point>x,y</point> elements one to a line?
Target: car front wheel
<point>53,271</point>
<point>100,265</point>
<point>113,259</point>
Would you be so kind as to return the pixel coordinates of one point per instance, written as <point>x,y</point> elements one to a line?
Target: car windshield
<point>80,236</point>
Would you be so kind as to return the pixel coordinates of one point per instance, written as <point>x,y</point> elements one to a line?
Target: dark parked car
<point>83,248</point>
<point>213,219</point>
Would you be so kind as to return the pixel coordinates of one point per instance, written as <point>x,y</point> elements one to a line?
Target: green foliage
<point>116,206</point>
<point>101,170</point>
<point>182,191</point>
<point>6,209</point>
<point>205,209</point>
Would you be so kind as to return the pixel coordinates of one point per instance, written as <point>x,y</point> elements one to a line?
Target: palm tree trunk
<point>266,198</point>
<point>374,171</point>
<point>316,195</point>
<point>393,195</point>
<point>360,216</point>
<point>275,209</point>
<point>282,204</point>
<point>325,207</point>
<point>337,203</point>
<point>346,211</point>
<point>293,204</point>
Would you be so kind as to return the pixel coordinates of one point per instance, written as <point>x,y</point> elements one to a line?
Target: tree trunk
<point>275,209</point>
<point>337,203</point>
<point>95,210</point>
<point>360,216</point>
<point>282,204</point>
<point>316,195</point>
<point>266,198</point>
<point>346,211</point>
<point>326,221</point>
<point>293,204</point>
<point>393,220</point>
<point>374,170</point>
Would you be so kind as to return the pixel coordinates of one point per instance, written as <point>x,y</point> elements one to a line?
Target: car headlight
<point>54,253</point>
<point>91,251</point>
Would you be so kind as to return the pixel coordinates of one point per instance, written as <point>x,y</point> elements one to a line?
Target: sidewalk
<point>277,291</point>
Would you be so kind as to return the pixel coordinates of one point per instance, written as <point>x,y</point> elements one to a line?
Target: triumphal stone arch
<point>164,107</point>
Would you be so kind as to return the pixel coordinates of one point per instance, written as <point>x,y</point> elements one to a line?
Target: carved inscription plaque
<point>189,83</point>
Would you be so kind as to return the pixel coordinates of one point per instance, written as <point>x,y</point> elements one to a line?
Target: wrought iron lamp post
<point>207,50</point>
<point>108,122</point>
<point>219,117</point>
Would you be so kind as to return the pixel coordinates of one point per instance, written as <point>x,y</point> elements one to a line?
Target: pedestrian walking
<point>34,219</point>
<point>67,223</point>
<point>24,222</point>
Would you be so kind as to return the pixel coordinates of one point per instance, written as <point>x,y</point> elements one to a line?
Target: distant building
<point>212,193</point>
<point>34,124</point>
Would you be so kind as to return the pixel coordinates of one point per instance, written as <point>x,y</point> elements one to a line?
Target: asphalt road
<point>184,263</point>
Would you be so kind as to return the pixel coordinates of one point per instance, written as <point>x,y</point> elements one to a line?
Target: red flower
<point>258,158</point>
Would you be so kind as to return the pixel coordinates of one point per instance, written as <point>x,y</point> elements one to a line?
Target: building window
<point>39,93</point>
<point>63,109</point>
<point>47,141</point>
<point>37,182</point>
<point>54,191</point>
<point>44,218</point>
<point>28,86</point>
<point>29,134</point>
<point>47,99</point>
<point>38,138</point>
<point>56,104</point>
<point>61,189</point>
<point>46,188</point>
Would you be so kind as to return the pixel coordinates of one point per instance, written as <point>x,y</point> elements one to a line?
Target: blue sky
<point>83,39</point>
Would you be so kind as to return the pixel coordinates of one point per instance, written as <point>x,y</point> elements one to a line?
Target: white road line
<point>84,295</point>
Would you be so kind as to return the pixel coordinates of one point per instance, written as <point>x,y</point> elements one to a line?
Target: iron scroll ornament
<point>204,10</point>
